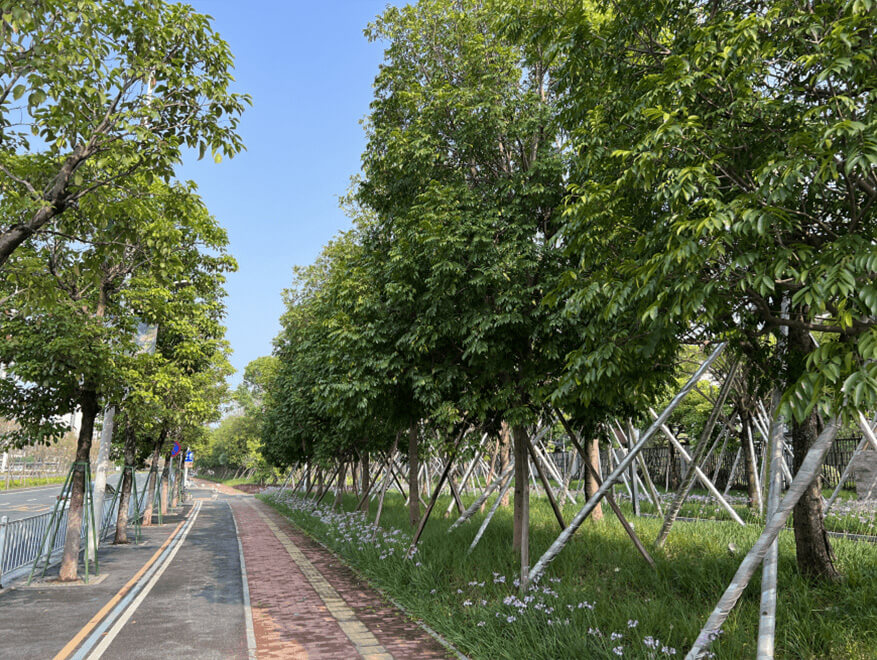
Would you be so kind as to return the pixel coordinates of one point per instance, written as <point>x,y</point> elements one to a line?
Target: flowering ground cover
<point>598,599</point>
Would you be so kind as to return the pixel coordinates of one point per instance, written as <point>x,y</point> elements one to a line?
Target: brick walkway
<point>308,605</point>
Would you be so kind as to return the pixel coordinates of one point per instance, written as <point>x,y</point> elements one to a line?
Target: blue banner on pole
<point>190,456</point>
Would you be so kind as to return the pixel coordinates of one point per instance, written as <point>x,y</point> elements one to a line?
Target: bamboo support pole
<point>750,447</point>
<point>549,464</point>
<point>329,482</point>
<point>432,501</point>
<point>468,513</point>
<point>508,482</point>
<point>288,477</point>
<point>467,474</point>
<point>705,480</point>
<point>544,480</point>
<point>767,621</point>
<point>733,472</point>
<point>697,457</point>
<point>843,477</point>
<point>808,471</point>
<point>589,506</point>
<point>609,497</point>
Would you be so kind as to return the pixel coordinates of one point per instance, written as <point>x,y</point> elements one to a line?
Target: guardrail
<point>20,540</point>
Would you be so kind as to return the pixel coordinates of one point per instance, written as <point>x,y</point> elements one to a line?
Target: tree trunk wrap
<point>165,483</point>
<point>504,455</point>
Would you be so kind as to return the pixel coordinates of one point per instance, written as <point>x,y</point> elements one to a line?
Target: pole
<point>806,473</point>
<point>767,621</point>
<point>589,506</point>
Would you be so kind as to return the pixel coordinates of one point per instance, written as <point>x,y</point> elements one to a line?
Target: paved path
<point>184,593</point>
<point>307,605</point>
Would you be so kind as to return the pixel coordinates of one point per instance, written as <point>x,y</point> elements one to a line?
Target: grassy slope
<point>462,597</point>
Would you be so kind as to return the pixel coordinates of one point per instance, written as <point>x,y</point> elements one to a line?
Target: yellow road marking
<point>96,619</point>
<point>362,638</point>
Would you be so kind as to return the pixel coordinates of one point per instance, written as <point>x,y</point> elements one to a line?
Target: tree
<point>70,341</point>
<point>93,93</point>
<point>725,188</point>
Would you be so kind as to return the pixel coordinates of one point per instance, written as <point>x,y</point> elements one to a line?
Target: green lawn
<point>599,587</point>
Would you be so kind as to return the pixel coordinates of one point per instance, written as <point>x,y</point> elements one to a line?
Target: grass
<point>597,586</point>
<point>225,482</point>
<point>30,482</point>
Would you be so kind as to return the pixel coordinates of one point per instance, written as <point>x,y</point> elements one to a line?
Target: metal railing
<point>658,460</point>
<point>20,540</point>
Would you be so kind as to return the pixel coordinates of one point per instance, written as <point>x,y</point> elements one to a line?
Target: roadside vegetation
<point>600,599</point>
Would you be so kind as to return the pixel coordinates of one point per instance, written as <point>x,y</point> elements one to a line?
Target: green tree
<point>92,93</point>
<point>71,338</point>
<point>725,188</point>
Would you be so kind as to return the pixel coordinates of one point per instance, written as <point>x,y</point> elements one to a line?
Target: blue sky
<point>310,71</point>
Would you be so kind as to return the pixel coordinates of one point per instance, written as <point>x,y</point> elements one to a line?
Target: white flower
<point>615,635</point>
<point>618,650</point>
<point>632,623</point>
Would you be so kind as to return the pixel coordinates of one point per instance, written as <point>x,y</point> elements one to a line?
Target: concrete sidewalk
<point>187,602</point>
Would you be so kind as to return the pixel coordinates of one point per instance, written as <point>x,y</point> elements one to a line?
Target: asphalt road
<point>189,603</point>
<point>24,502</point>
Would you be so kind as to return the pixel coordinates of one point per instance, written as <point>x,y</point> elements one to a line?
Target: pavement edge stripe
<point>87,628</point>
<point>132,607</point>
<point>248,610</point>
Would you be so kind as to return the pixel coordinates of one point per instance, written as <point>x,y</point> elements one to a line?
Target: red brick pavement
<point>289,617</point>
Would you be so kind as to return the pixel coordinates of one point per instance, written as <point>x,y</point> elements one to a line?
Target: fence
<point>21,540</point>
<point>658,460</point>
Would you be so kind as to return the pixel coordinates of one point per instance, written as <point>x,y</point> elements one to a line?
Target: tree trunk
<point>354,476</point>
<point>365,481</point>
<point>522,500</point>
<point>165,483</point>
<point>125,494</point>
<point>505,445</point>
<point>339,493</point>
<point>592,447</point>
<point>751,467</point>
<point>69,564</point>
<point>413,486</point>
<point>150,483</point>
<point>813,550</point>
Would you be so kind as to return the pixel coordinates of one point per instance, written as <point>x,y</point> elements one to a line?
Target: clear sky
<point>310,71</point>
